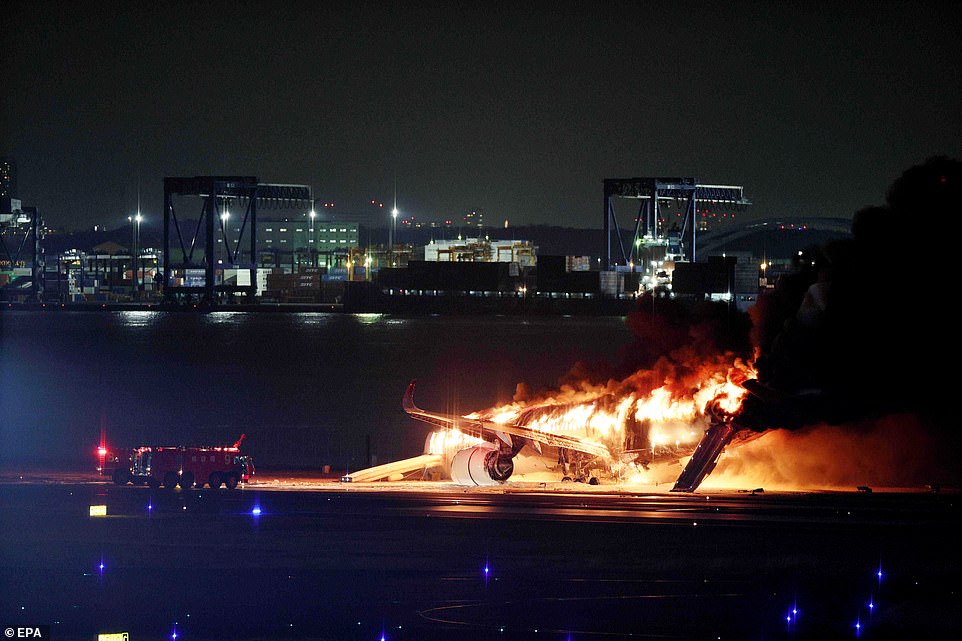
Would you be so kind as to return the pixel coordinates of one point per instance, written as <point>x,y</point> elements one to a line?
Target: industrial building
<point>484,250</point>
<point>286,236</point>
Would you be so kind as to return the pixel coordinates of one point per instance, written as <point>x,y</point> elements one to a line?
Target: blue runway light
<point>256,511</point>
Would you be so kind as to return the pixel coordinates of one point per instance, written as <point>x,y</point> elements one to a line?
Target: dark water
<point>306,389</point>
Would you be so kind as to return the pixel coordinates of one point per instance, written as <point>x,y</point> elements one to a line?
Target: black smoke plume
<point>866,327</point>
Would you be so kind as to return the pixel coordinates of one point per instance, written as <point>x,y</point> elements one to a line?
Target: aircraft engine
<point>482,464</point>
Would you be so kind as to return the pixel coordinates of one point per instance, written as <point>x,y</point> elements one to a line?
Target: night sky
<point>519,109</point>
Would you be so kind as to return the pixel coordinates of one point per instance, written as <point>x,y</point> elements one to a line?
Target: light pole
<point>135,246</point>
<point>313,241</point>
<point>223,224</point>
<point>137,281</point>
<point>393,229</point>
<point>394,213</point>
<point>133,254</point>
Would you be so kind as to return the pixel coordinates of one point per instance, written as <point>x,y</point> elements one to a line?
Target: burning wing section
<point>502,431</point>
<point>488,458</point>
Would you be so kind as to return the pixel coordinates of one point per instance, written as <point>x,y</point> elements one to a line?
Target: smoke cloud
<point>895,451</point>
<point>863,328</point>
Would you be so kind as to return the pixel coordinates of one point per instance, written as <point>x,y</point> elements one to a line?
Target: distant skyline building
<point>298,234</point>
<point>8,178</point>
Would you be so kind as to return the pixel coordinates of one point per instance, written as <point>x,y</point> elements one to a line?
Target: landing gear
<point>575,466</point>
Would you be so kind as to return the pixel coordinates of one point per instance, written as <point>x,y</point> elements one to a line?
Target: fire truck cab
<point>186,467</point>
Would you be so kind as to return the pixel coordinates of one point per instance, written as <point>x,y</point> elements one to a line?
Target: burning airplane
<point>615,431</point>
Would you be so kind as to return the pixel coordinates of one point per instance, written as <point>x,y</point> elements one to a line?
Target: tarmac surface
<point>302,556</point>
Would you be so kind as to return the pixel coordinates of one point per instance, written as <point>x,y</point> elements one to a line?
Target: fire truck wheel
<point>121,477</point>
<point>187,480</point>
<point>170,480</point>
<point>214,480</point>
<point>232,480</point>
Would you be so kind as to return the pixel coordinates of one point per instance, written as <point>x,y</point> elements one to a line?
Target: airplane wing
<point>502,431</point>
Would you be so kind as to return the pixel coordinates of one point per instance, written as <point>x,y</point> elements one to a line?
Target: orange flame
<point>673,415</point>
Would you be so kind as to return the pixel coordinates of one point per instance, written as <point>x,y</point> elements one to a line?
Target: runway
<point>306,557</point>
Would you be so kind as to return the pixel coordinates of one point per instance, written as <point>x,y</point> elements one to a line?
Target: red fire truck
<point>171,466</point>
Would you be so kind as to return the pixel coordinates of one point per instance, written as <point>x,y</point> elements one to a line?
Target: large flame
<point>671,417</point>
